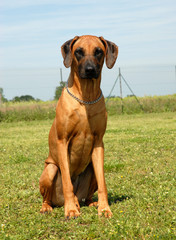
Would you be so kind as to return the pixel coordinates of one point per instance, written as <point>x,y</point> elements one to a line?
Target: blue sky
<point>31,33</point>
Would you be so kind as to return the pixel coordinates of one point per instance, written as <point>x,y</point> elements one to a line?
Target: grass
<point>140,170</point>
<point>146,104</point>
<point>29,111</point>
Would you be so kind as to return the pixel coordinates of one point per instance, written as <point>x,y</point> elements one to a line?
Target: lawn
<point>140,170</point>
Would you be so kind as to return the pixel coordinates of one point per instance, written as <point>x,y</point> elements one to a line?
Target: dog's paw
<point>104,211</point>
<point>71,211</point>
<point>91,203</point>
<point>46,208</point>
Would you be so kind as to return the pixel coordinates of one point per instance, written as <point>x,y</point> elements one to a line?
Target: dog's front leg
<point>98,164</point>
<point>70,200</point>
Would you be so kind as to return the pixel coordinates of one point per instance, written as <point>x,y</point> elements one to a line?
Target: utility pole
<point>61,74</point>
<point>121,96</point>
<point>120,78</point>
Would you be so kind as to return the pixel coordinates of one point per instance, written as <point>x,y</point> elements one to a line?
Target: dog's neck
<point>84,89</point>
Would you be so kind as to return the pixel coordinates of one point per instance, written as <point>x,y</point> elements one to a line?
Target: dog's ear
<point>111,52</point>
<point>66,51</point>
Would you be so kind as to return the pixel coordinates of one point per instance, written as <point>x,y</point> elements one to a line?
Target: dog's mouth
<point>89,71</point>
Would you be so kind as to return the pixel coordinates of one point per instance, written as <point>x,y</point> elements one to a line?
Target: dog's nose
<point>90,71</point>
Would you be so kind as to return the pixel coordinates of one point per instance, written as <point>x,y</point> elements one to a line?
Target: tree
<point>27,98</point>
<point>23,98</point>
<point>58,90</point>
<point>2,98</point>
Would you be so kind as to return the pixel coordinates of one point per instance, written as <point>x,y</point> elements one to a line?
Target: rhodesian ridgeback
<point>74,169</point>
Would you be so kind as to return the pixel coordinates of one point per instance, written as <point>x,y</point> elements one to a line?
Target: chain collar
<point>84,102</point>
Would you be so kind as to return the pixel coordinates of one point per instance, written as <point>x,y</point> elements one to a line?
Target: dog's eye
<point>98,52</point>
<point>79,53</point>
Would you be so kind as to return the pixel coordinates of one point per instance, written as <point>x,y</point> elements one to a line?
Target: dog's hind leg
<point>87,186</point>
<point>57,194</point>
<point>46,183</point>
<point>92,189</point>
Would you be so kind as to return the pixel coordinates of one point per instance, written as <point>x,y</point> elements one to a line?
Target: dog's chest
<point>82,142</point>
<point>80,149</point>
<point>80,154</point>
<point>80,126</point>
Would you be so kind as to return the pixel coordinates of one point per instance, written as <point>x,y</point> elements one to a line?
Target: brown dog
<point>74,168</point>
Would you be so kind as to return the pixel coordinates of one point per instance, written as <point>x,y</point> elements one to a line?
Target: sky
<point>32,32</point>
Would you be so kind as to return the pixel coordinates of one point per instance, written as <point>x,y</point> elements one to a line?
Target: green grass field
<point>34,110</point>
<point>140,167</point>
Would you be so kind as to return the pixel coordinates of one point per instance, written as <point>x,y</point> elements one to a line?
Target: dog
<point>74,169</point>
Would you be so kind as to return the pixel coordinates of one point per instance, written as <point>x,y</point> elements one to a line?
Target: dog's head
<point>86,54</point>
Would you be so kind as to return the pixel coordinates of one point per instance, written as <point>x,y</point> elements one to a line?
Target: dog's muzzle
<point>89,70</point>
